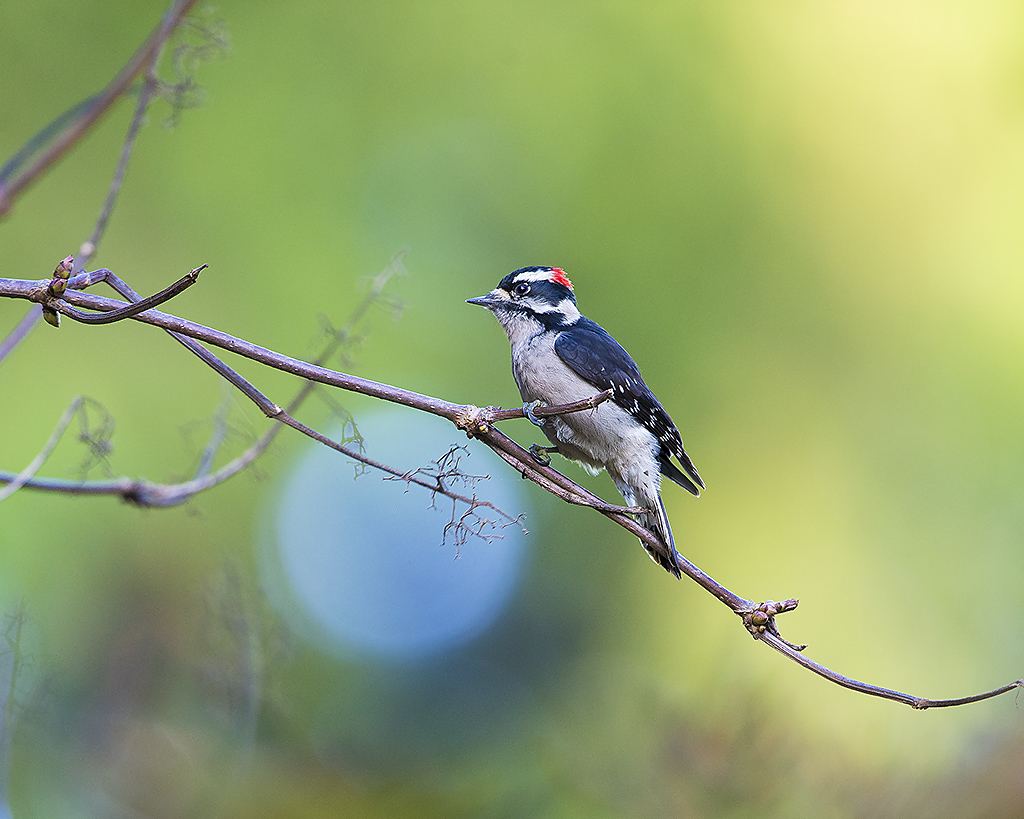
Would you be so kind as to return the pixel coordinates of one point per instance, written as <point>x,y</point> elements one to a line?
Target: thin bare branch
<point>127,146</point>
<point>918,703</point>
<point>36,464</point>
<point>165,295</point>
<point>446,471</point>
<point>545,412</point>
<point>97,106</point>
<point>18,334</point>
<point>220,434</point>
<point>433,483</point>
<point>108,277</point>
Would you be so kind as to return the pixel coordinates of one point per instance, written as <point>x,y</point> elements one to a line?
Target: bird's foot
<point>540,453</point>
<point>528,409</point>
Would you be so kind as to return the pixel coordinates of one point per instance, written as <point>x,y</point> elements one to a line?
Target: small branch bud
<point>51,316</point>
<point>63,270</point>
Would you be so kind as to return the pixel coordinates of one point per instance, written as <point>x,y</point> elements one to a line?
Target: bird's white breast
<point>606,437</point>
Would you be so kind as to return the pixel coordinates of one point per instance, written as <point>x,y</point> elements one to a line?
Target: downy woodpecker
<point>559,356</point>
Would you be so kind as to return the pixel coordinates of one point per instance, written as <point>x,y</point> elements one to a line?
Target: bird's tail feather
<point>657,522</point>
<point>687,478</point>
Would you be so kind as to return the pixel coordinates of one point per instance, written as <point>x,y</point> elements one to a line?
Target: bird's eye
<point>521,289</point>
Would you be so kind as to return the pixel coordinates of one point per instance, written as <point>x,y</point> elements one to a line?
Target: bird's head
<point>541,294</point>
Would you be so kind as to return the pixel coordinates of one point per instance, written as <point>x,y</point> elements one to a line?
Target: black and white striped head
<point>532,297</point>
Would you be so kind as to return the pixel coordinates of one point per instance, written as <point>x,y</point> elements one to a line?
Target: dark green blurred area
<point>802,221</point>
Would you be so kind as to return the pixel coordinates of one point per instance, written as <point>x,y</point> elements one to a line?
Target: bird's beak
<point>492,299</point>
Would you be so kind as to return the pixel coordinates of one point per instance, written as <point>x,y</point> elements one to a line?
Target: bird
<point>560,356</point>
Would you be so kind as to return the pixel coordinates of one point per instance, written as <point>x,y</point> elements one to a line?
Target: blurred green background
<point>804,222</point>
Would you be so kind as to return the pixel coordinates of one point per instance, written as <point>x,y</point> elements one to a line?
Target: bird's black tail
<point>657,522</point>
<point>688,478</point>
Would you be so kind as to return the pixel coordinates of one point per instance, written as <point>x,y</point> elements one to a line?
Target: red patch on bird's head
<point>558,277</point>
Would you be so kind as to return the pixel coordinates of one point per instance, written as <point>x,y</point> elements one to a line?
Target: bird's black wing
<point>599,359</point>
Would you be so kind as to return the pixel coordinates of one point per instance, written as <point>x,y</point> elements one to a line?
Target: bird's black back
<point>590,351</point>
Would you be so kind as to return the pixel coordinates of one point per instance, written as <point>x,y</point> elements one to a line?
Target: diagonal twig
<point>36,464</point>
<point>917,703</point>
<point>97,106</point>
<point>146,94</point>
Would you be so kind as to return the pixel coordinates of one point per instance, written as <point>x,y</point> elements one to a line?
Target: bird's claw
<point>528,409</point>
<point>540,453</point>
